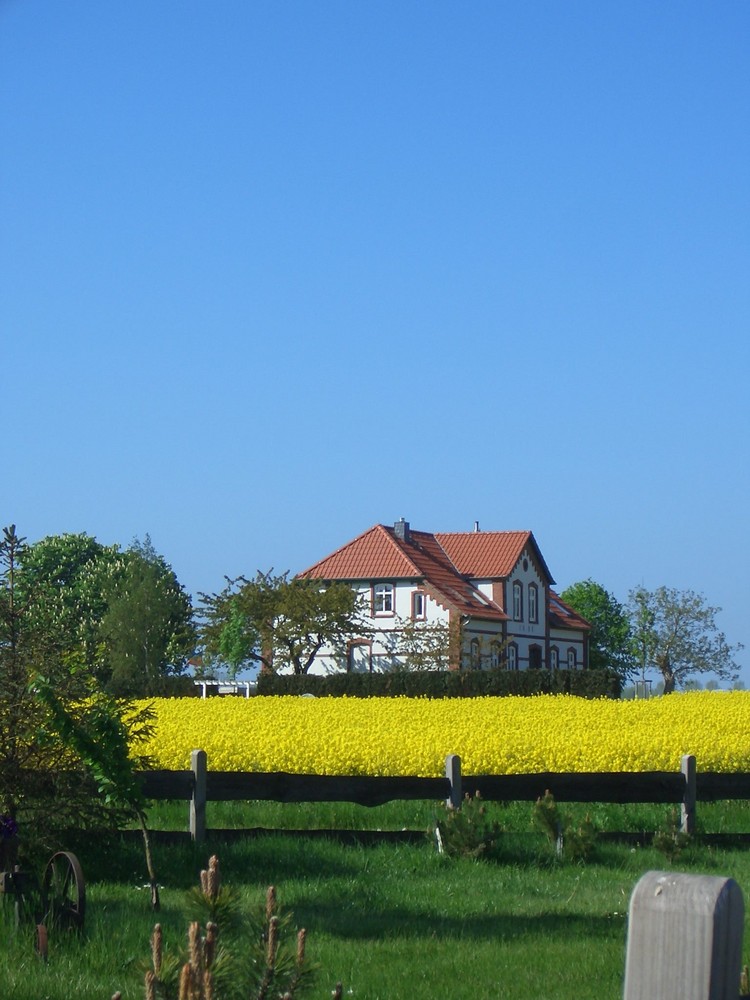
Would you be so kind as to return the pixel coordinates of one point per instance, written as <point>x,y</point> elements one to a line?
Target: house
<point>491,590</point>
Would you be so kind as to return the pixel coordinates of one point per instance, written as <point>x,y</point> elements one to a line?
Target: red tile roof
<point>379,554</point>
<point>487,555</point>
<point>445,564</point>
<point>561,615</point>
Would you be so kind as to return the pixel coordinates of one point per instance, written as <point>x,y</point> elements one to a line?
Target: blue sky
<point>273,272</point>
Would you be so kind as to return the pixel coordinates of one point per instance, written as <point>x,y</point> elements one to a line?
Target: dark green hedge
<point>446,684</point>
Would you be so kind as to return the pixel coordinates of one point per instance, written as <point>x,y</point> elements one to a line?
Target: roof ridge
<point>492,531</point>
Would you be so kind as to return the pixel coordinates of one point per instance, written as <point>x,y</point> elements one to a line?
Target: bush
<point>445,684</point>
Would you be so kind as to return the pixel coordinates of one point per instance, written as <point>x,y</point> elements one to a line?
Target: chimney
<point>476,527</point>
<point>401,530</point>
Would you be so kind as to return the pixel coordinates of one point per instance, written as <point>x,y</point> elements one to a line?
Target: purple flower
<point>8,827</point>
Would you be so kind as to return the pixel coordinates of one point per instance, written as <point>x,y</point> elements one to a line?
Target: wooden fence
<point>685,788</point>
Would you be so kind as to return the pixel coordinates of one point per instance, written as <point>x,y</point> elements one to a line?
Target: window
<point>511,657</point>
<point>419,605</point>
<point>382,599</point>
<point>495,650</point>
<point>554,658</point>
<point>517,601</point>
<point>535,657</point>
<point>475,653</point>
<point>358,657</point>
<point>571,659</point>
<point>533,603</point>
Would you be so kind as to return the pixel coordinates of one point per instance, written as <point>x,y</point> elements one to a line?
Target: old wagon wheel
<point>64,891</point>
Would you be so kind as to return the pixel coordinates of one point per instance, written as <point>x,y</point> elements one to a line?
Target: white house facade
<point>485,597</point>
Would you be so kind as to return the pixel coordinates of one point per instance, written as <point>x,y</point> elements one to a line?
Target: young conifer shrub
<point>468,831</point>
<point>227,958</point>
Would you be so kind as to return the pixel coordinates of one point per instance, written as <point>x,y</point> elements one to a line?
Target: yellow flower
<point>413,736</point>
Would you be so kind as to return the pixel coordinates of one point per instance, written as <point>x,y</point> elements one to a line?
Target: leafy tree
<point>421,645</point>
<point>102,739</point>
<point>42,780</point>
<point>64,579</point>
<point>121,614</point>
<point>610,640</point>
<point>277,621</point>
<point>147,631</point>
<point>675,631</point>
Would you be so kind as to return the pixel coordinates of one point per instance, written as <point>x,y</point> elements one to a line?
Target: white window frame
<point>533,603</point>
<point>572,658</point>
<point>512,656</point>
<point>383,599</point>
<point>517,601</point>
<point>419,605</point>
<point>554,658</point>
<point>358,644</point>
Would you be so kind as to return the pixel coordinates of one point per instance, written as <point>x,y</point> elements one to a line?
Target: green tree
<point>675,632</point>
<point>64,580</point>
<point>42,780</point>
<point>276,621</point>
<point>121,614</point>
<point>147,631</point>
<point>610,639</point>
<point>421,645</point>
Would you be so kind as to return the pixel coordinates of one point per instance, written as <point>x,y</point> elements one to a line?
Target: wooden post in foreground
<point>198,801</point>
<point>453,774</point>
<point>684,938</point>
<point>687,810</point>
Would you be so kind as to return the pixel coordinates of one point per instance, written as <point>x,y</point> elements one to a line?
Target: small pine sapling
<point>468,831</point>
<point>670,839</point>
<point>574,843</point>
<point>269,962</point>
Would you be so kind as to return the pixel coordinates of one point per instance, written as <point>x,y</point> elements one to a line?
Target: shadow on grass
<point>353,921</point>
<point>264,860</point>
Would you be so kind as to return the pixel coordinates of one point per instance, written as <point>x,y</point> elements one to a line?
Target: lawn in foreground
<point>393,922</point>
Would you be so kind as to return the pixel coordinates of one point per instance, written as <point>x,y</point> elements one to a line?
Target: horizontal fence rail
<point>199,786</point>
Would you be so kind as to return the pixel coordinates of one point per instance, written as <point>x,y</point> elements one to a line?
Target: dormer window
<point>517,601</point>
<point>382,599</point>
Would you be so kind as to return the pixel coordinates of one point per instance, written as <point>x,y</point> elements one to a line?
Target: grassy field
<point>391,921</point>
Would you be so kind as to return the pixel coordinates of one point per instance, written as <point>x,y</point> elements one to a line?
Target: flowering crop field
<point>408,736</point>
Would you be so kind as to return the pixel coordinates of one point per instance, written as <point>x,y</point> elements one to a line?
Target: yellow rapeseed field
<point>402,736</point>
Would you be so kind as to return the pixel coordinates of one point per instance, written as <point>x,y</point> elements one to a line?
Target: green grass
<point>713,817</point>
<point>391,921</point>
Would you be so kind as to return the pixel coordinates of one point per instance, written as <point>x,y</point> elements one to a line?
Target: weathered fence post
<point>198,801</point>
<point>684,938</point>
<point>687,810</point>
<point>453,774</point>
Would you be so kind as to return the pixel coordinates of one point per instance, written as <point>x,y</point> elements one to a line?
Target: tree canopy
<point>277,621</point>
<point>675,631</point>
<point>147,631</point>
<point>64,580</point>
<point>121,614</point>
<point>610,639</point>
<point>37,768</point>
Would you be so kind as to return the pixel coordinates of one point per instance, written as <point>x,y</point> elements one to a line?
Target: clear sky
<point>273,272</point>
